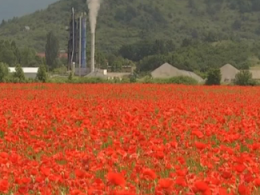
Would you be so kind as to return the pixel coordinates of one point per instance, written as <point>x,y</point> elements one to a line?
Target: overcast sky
<point>12,8</point>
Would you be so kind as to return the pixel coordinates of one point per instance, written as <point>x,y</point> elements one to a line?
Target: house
<point>29,72</point>
<point>168,71</point>
<point>228,73</point>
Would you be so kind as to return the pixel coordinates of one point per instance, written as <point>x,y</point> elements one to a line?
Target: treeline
<point>191,55</point>
<point>11,55</point>
<point>18,76</point>
<point>148,55</point>
<point>122,21</point>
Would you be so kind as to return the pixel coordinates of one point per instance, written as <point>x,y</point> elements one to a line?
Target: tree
<point>19,74</point>
<point>51,50</point>
<point>3,23</point>
<point>42,74</point>
<point>244,78</point>
<point>4,71</point>
<point>214,77</point>
<point>8,52</point>
<point>28,57</point>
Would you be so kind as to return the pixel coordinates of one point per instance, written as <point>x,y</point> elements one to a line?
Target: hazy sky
<point>11,8</point>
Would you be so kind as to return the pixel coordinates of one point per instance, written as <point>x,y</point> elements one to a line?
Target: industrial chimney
<point>92,52</point>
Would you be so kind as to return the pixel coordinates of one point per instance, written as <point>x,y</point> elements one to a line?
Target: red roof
<point>61,55</point>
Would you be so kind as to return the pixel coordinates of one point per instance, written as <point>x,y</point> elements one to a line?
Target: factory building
<point>77,41</point>
<point>29,72</point>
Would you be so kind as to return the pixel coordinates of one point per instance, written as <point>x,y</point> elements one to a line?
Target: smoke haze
<point>93,6</point>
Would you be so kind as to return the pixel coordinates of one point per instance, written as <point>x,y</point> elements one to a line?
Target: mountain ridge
<point>123,21</point>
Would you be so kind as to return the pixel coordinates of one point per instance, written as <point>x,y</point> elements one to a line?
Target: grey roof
<point>228,73</point>
<point>192,75</point>
<point>168,71</point>
<point>165,71</point>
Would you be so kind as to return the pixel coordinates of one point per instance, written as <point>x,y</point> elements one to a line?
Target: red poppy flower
<point>257,182</point>
<point>150,174</point>
<point>243,190</point>
<point>200,146</point>
<point>116,179</point>
<point>165,183</point>
<point>4,185</point>
<point>201,186</point>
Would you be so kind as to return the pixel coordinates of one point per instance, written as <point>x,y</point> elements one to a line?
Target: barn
<point>168,71</point>
<point>29,72</point>
<point>228,73</point>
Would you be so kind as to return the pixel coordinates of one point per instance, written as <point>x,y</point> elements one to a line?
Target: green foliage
<point>150,63</point>
<point>52,50</point>
<point>132,78</point>
<point>244,78</point>
<point>214,77</point>
<point>174,80</point>
<point>139,50</point>
<point>61,70</point>
<point>3,71</point>
<point>200,57</point>
<point>19,74</point>
<point>11,55</point>
<point>87,80</point>
<point>70,76</point>
<point>132,21</point>
<point>42,74</point>
<point>200,34</point>
<point>183,80</point>
<point>28,57</point>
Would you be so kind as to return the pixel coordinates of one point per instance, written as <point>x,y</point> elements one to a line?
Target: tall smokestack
<point>92,52</point>
<point>93,6</point>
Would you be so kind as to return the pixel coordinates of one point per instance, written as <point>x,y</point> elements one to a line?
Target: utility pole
<point>80,34</point>
<point>73,36</point>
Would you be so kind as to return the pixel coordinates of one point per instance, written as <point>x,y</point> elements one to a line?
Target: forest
<point>191,35</point>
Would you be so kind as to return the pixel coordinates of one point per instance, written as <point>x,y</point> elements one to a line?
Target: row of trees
<point>11,55</point>
<point>18,75</point>
<point>191,55</point>
<point>147,55</point>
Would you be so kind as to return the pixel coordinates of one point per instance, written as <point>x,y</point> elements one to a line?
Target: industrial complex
<point>77,44</point>
<point>77,41</point>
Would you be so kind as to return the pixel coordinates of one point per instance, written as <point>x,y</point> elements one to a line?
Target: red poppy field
<point>129,139</point>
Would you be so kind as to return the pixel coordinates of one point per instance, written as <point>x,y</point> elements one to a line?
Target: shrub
<point>4,71</point>
<point>19,74</point>
<point>42,74</point>
<point>70,77</point>
<point>132,78</point>
<point>213,77</point>
<point>244,78</point>
<point>185,80</point>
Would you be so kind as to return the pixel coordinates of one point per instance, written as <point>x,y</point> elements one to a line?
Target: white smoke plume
<point>93,6</point>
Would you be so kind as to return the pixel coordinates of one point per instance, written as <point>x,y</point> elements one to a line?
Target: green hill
<point>127,21</point>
